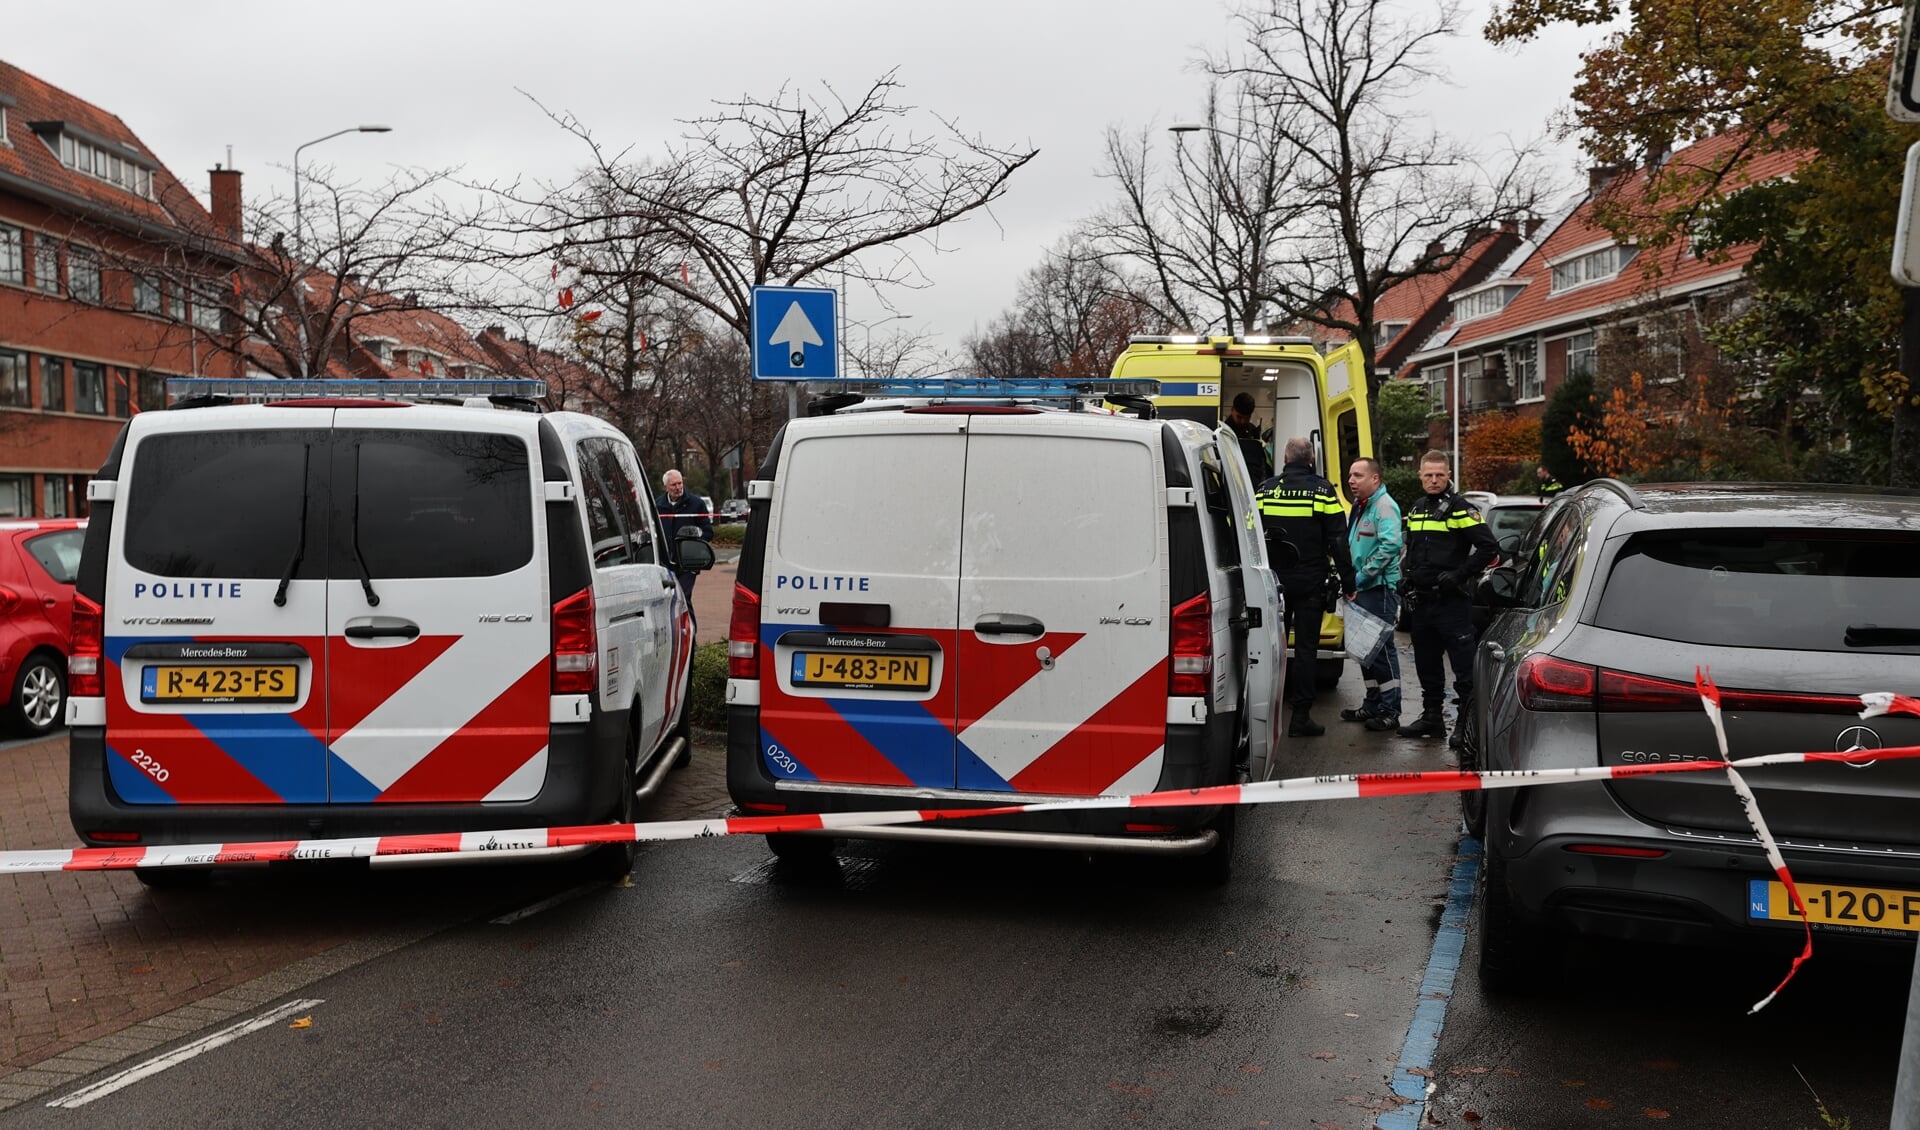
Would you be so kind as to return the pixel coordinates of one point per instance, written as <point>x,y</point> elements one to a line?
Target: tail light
<point>575,644</point>
<point>1622,691</point>
<point>1547,683</point>
<point>114,837</point>
<point>85,679</point>
<point>1190,651</point>
<point>1617,850</point>
<point>743,634</point>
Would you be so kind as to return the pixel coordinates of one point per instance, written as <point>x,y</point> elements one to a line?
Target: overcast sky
<point>192,79</point>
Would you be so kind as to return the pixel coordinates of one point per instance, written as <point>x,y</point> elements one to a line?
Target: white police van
<point>309,609</point>
<point>978,599</point>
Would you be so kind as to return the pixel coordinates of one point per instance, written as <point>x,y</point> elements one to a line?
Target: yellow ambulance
<point>1296,391</point>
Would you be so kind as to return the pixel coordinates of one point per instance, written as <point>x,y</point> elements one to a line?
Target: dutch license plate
<point>838,669</point>
<point>201,682</point>
<point>1866,908</point>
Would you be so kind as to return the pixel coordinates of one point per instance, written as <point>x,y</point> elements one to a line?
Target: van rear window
<point>220,504</point>
<point>434,503</point>
<point>1839,590</point>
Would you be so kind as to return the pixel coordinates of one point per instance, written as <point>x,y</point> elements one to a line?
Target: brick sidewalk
<point>86,954</point>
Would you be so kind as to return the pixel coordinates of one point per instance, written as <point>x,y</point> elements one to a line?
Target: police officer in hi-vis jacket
<point>1300,508</point>
<point>1447,547</point>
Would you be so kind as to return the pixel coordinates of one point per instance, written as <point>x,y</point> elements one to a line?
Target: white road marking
<point>548,903</point>
<point>179,1055</point>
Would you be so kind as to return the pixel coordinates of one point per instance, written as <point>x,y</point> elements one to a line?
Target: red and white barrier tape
<point>1291,790</point>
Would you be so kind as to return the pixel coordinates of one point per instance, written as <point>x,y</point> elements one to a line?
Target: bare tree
<point>1376,188</point>
<point>1072,314</point>
<point>286,306</point>
<point>769,190</point>
<point>1206,237</point>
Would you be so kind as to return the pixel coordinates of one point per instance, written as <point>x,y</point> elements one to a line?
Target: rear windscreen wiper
<point>366,575</point>
<point>1873,635</point>
<point>300,543</point>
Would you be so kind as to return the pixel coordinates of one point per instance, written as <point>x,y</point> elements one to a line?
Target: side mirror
<point>693,553</point>
<point>1499,587</point>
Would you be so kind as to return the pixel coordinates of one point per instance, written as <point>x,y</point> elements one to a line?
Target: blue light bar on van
<point>181,388</point>
<point>980,388</point>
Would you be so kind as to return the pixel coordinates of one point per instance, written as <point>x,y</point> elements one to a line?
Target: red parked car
<point>39,559</point>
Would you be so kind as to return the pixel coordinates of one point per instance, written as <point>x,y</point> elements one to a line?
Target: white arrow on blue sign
<point>795,333</point>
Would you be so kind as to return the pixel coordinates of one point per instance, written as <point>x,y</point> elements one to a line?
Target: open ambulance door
<point>1346,411</point>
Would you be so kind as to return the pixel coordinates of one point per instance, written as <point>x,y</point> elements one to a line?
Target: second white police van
<point>338,612</point>
<point>967,602</point>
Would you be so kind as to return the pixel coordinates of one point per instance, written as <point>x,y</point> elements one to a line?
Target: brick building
<point>1577,298</point>
<point>84,342</point>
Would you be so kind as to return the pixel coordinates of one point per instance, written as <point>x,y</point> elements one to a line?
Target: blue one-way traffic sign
<point>795,334</point>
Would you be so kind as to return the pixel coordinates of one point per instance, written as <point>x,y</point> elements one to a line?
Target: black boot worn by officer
<point>1429,725</point>
<point>1303,726</point>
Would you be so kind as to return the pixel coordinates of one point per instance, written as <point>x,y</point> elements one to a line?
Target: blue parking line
<point>1436,989</point>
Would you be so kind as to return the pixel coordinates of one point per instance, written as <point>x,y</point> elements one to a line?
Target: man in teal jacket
<point>1374,535</point>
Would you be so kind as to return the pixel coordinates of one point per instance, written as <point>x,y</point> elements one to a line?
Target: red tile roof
<point>1667,269</point>
<point>28,157</point>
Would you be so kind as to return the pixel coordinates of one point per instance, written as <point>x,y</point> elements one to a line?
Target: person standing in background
<point>680,514</point>
<point>1374,536</point>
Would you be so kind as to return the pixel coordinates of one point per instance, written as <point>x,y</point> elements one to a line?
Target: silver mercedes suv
<point>1797,599</point>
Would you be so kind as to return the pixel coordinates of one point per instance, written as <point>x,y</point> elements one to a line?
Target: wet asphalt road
<point>917,986</point>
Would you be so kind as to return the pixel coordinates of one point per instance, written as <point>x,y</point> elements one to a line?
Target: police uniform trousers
<point>1442,624</point>
<point>1306,605</point>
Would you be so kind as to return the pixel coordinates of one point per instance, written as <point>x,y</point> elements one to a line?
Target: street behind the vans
<point>913,986</point>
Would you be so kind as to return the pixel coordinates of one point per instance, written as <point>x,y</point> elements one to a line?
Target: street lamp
<point>299,246</point>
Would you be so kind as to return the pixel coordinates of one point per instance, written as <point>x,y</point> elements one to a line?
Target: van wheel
<point>1513,952</point>
<point>1326,673</point>
<point>1215,866</point>
<point>790,847</point>
<point>684,727</point>
<point>1473,802</point>
<point>614,862</point>
<point>174,878</point>
<point>39,695</point>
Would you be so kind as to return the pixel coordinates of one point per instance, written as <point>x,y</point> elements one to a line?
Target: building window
<point>89,388</point>
<point>122,394</point>
<point>53,384</point>
<point>1594,266</point>
<point>208,313</point>
<point>177,302</point>
<point>376,347</point>
<point>16,496</point>
<point>46,263</point>
<point>83,276</point>
<point>13,264</point>
<point>146,295</point>
<point>16,380</point>
<point>102,163</point>
<point>53,496</point>
<point>1580,355</point>
<point>1436,378</point>
<point>153,391</point>
<point>1479,303</point>
<point>1523,365</point>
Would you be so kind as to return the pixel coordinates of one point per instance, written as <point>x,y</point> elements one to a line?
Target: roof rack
<point>1221,339</point>
<point>983,388</point>
<point>260,391</point>
<point>1627,494</point>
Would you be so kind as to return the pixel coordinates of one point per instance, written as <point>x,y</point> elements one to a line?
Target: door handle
<point>1494,651</point>
<point>1002,624</point>
<point>381,627</point>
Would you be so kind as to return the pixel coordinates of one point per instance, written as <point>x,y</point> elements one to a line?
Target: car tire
<point>39,695</point>
<point>791,847</point>
<point>1473,802</point>
<point>1214,867</point>
<point>1326,673</point>
<point>614,862</point>
<point>174,878</point>
<point>1513,952</point>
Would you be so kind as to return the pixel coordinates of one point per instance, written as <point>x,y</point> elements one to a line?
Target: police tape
<point>1287,791</point>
